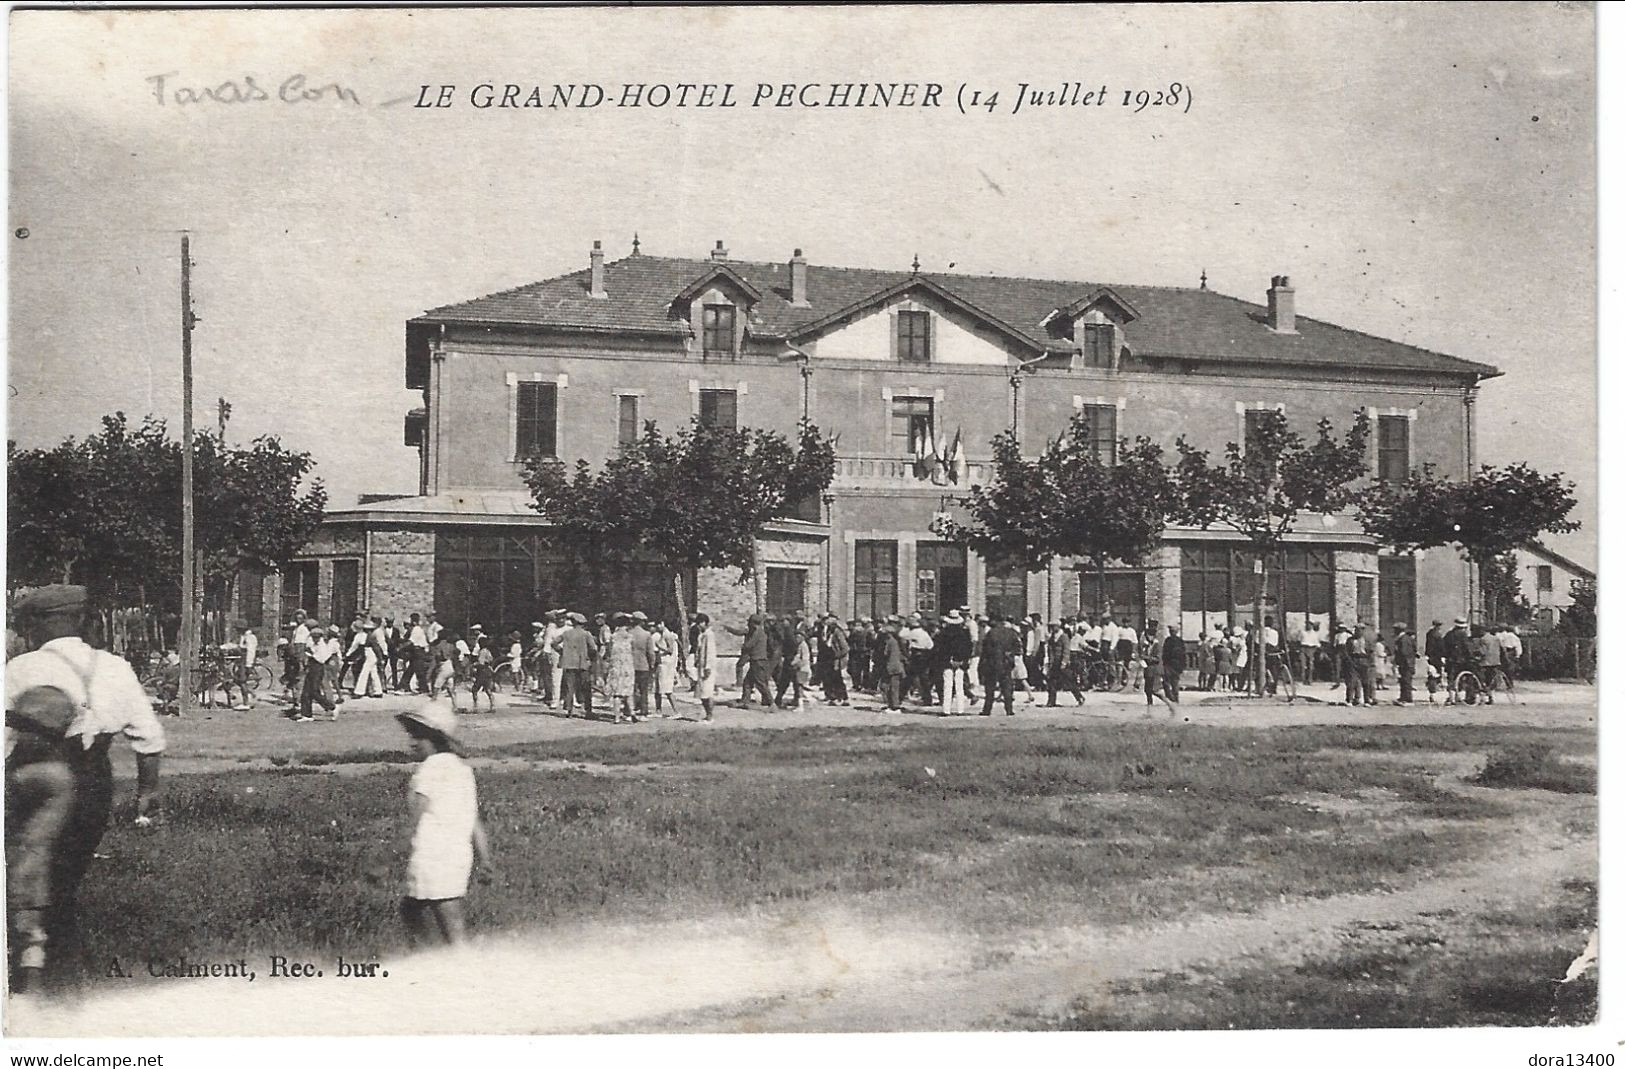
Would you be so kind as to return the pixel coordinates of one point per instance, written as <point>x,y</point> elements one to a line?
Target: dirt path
<point>1540,852</point>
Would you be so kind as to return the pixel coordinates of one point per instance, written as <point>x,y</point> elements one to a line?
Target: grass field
<point>987,833</point>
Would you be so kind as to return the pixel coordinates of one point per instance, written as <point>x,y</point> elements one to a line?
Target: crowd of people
<point>631,664</point>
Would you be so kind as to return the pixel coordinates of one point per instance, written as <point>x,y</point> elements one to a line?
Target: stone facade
<point>400,572</point>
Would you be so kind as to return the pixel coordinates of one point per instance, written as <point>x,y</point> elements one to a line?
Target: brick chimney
<point>719,253</point>
<point>598,290</point>
<point>798,280</point>
<point>1283,317</point>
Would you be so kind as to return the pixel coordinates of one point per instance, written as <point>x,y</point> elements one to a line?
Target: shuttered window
<point>538,419</point>
<point>914,337</point>
<point>626,419</point>
<point>1099,341</point>
<point>1102,431</point>
<point>718,334</point>
<point>1393,448</point>
<point>720,408</point>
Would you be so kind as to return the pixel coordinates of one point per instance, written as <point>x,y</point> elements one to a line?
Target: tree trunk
<point>682,615</point>
<point>756,579</point>
<point>1258,619</point>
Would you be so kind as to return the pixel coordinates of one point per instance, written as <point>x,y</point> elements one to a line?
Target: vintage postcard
<point>920,519</point>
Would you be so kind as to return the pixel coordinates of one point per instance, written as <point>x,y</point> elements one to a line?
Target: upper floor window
<point>912,420</point>
<point>914,336</point>
<point>537,424</point>
<point>1102,431</point>
<point>626,419</point>
<point>1393,448</point>
<point>718,330</point>
<point>1099,343</point>
<point>1543,578</point>
<point>720,408</point>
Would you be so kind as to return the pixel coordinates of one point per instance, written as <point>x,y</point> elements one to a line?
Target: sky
<point>1423,172</point>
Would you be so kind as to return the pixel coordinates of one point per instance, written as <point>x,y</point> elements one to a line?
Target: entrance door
<point>941,577</point>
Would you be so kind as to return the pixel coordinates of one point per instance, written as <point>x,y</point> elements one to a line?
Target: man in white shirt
<point>1309,644</point>
<point>298,656</point>
<point>550,673</point>
<point>321,651</point>
<point>109,702</point>
<point>368,683</point>
<point>1511,654</point>
<point>432,630</point>
<point>417,641</point>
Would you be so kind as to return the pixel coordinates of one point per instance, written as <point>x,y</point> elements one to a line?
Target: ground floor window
<point>299,589</point>
<point>786,591</point>
<point>1006,589</point>
<point>1118,594</point>
<point>940,577</point>
<point>251,596</point>
<point>504,581</point>
<point>346,591</point>
<point>1396,593</point>
<point>874,578</point>
<point>1219,587</point>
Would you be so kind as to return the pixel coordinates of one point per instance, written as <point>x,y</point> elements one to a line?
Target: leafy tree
<point>105,510</point>
<point>1068,502</point>
<point>697,499</point>
<point>1485,517</point>
<point>1580,619</point>
<point>1260,491</point>
<point>1503,590</point>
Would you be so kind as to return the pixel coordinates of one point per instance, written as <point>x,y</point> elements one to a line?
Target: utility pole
<point>189,634</point>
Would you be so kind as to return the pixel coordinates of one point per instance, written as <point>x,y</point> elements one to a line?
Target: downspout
<point>1024,367</point>
<point>437,363</point>
<point>1469,404</point>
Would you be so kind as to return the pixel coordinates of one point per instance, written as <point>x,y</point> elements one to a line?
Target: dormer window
<point>718,330</point>
<point>914,337</point>
<point>1099,345</point>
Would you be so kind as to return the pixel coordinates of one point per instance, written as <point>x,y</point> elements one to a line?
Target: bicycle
<point>1278,677</point>
<point>1470,687</point>
<point>505,678</point>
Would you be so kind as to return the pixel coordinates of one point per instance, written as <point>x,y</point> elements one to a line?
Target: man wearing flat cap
<point>108,701</point>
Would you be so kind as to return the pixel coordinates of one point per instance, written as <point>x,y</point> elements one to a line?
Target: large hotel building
<point>571,367</point>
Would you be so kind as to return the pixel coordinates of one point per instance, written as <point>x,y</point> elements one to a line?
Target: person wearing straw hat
<point>448,836</point>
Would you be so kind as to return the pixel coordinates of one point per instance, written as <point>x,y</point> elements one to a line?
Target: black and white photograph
<point>723,520</point>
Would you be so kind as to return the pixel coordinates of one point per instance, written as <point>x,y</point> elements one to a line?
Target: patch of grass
<point>1118,824</point>
<point>1499,969</point>
<point>359,757</point>
<point>1533,764</point>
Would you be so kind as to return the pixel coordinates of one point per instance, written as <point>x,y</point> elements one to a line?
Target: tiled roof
<point>1173,321</point>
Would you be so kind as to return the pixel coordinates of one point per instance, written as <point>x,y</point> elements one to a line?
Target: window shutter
<point>930,324</point>
<point>896,330</point>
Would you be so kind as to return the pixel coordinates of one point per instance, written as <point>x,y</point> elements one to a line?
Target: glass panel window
<point>1396,592</point>
<point>1102,431</point>
<point>1543,578</point>
<point>346,590</point>
<point>718,330</point>
<point>626,419</point>
<point>874,578</point>
<point>1006,589</point>
<point>912,423</point>
<point>537,422</point>
<point>1120,595</point>
<point>1393,448</point>
<point>786,591</point>
<point>720,408</point>
<point>1099,341</point>
<point>914,337</point>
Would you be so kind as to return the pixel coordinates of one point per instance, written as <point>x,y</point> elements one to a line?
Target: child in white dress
<point>448,835</point>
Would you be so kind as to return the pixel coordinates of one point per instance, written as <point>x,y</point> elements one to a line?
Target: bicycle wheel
<point>1467,687</point>
<point>503,676</point>
<point>1285,684</point>
<point>261,680</point>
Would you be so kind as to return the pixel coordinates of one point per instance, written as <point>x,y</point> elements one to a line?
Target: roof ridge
<point>511,290</point>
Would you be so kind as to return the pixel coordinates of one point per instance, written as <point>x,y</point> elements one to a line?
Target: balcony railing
<point>894,472</point>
